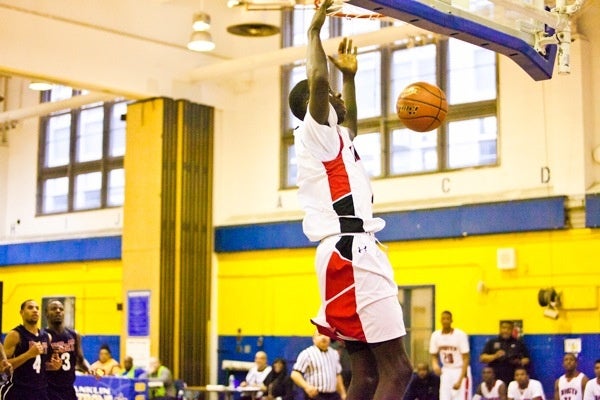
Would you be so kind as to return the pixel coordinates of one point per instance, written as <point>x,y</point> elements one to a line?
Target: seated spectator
<point>106,365</point>
<point>278,385</point>
<point>424,384</point>
<point>523,388</point>
<point>571,384</point>
<point>490,388</point>
<point>257,374</point>
<point>592,388</point>
<point>160,380</point>
<point>129,371</point>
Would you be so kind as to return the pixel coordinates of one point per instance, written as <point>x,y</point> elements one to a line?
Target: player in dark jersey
<point>27,349</point>
<point>67,344</point>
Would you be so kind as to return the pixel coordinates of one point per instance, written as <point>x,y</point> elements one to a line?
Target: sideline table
<point>225,391</point>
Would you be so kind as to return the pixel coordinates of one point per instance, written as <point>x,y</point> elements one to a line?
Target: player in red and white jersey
<point>359,302</point>
<point>450,347</point>
<point>571,384</point>
<point>592,387</point>
<point>490,388</point>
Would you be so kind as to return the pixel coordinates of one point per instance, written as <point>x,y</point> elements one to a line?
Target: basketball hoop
<point>342,9</point>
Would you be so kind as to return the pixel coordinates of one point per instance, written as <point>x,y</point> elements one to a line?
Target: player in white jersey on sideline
<point>592,387</point>
<point>451,346</point>
<point>571,384</point>
<point>490,388</point>
<point>523,388</point>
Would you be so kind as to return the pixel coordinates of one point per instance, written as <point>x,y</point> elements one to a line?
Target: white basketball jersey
<point>334,188</point>
<point>592,390</point>
<point>450,347</point>
<point>534,389</point>
<point>570,389</point>
<point>493,393</point>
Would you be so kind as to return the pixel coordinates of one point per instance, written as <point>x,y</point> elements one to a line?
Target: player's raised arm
<point>316,67</point>
<point>347,64</point>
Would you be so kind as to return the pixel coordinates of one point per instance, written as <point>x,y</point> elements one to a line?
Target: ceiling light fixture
<point>40,86</point>
<point>201,41</point>
<point>201,22</point>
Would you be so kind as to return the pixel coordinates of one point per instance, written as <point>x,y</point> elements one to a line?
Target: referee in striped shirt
<point>318,371</point>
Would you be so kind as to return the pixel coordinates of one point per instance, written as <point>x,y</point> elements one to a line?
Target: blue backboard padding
<point>477,219</point>
<point>538,66</point>
<point>592,210</point>
<point>97,248</point>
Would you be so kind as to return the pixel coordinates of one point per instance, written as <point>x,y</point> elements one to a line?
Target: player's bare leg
<point>394,368</point>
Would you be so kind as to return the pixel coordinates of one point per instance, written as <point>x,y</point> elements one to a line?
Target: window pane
<point>368,85</point>
<point>368,147</point>
<point>116,187</point>
<point>87,190</point>
<point>117,130</point>
<point>55,197</point>
<point>472,142</point>
<point>355,26</point>
<point>292,169</point>
<point>413,152</point>
<point>89,134</point>
<point>411,65</point>
<point>472,73</point>
<point>302,18</point>
<point>57,140</point>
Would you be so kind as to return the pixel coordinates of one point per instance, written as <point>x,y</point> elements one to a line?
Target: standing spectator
<point>257,374</point>
<point>27,347</point>
<point>359,296</point>
<point>490,388</point>
<point>523,388</point>
<point>450,346</point>
<point>424,385</point>
<point>570,385</point>
<point>67,344</point>
<point>160,380</point>
<point>105,365</point>
<point>318,372</point>
<point>505,353</point>
<point>278,385</point>
<point>592,388</point>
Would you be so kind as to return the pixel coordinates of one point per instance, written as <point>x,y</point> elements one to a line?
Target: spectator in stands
<point>278,384</point>
<point>424,385</point>
<point>523,388</point>
<point>592,388</point>
<point>505,353</point>
<point>129,371</point>
<point>570,385</point>
<point>257,374</point>
<point>106,364</point>
<point>490,388</point>
<point>160,380</point>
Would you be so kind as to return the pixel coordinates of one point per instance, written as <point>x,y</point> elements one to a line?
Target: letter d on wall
<point>545,174</point>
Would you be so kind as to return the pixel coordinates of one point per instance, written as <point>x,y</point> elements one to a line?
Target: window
<point>81,156</point>
<point>466,73</point>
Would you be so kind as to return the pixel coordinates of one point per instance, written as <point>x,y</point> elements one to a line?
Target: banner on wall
<point>138,313</point>
<point>89,387</point>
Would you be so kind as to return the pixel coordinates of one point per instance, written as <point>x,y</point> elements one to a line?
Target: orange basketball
<point>422,106</point>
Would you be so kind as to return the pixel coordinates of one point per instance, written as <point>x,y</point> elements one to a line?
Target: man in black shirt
<point>505,353</point>
<point>424,385</point>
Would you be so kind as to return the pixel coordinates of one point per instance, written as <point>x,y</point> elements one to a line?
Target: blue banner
<point>89,387</point>
<point>138,313</point>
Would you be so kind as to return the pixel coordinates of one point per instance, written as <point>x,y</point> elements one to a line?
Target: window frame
<point>73,168</point>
